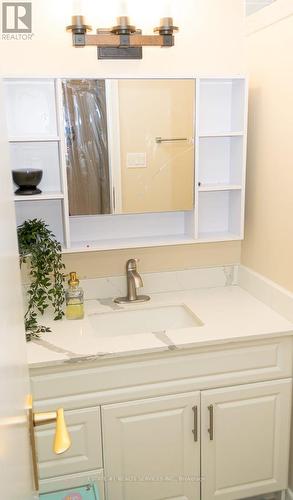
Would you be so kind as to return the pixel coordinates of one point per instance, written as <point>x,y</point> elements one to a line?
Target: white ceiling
<point>254,5</point>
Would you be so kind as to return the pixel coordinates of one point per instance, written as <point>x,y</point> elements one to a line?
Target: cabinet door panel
<point>248,454</point>
<point>85,453</point>
<point>150,450</point>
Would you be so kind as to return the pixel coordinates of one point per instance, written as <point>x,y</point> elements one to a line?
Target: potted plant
<point>39,248</point>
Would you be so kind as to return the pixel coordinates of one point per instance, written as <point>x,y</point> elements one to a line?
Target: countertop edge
<point>138,353</point>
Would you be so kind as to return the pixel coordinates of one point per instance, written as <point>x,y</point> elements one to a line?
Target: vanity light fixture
<point>123,41</point>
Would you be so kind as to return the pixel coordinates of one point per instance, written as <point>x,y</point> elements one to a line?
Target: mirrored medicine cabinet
<point>131,162</point>
<point>149,165</point>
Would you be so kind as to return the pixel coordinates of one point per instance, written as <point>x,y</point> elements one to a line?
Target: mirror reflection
<point>129,145</point>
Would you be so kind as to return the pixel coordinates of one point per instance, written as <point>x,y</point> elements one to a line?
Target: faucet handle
<point>131,264</point>
<point>134,281</point>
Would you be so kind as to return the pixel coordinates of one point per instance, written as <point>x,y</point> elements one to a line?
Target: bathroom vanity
<point>198,407</point>
<point>186,396</point>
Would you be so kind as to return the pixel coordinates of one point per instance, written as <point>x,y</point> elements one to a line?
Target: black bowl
<point>27,179</point>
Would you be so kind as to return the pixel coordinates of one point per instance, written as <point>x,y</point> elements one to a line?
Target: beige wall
<point>168,258</point>
<point>211,41</point>
<point>268,244</point>
<point>150,109</point>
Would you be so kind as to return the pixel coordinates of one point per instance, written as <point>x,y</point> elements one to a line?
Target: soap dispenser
<point>74,298</point>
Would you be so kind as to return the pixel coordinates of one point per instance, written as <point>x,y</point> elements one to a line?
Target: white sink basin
<point>135,320</point>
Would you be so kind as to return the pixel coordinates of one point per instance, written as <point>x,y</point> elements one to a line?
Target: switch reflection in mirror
<point>149,109</point>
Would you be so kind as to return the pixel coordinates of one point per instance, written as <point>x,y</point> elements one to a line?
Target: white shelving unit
<point>36,137</point>
<point>34,128</point>
<point>221,136</point>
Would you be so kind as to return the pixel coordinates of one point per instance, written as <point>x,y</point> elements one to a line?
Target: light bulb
<point>166,8</point>
<point>77,7</point>
<point>123,8</point>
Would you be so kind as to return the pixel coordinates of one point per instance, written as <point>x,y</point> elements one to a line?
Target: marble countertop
<point>229,314</point>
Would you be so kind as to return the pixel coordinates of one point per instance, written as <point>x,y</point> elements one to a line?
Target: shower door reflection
<point>86,147</point>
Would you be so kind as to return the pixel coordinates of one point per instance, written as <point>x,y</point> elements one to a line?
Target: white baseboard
<point>289,495</point>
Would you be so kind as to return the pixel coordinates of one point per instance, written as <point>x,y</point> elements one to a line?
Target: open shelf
<point>120,243</point>
<point>42,155</point>
<point>131,227</point>
<point>220,161</point>
<point>31,108</point>
<point>221,134</point>
<point>52,138</point>
<point>222,106</point>
<point>219,187</point>
<point>39,197</point>
<point>48,210</point>
<point>220,212</point>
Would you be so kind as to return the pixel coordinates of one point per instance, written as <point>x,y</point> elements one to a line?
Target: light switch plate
<point>136,160</point>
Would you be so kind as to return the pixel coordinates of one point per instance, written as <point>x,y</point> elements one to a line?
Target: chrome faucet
<point>134,281</point>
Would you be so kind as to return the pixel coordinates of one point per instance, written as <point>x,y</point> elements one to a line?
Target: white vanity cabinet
<point>160,442</point>
<point>196,424</point>
<point>150,444</point>
<point>244,439</point>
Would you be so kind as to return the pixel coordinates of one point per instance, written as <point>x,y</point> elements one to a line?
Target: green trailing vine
<point>39,248</point>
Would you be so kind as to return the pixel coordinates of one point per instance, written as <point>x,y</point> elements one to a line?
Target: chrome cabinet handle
<point>211,428</point>
<point>195,423</point>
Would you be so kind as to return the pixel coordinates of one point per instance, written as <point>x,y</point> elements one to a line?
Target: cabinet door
<point>150,449</point>
<point>85,453</point>
<point>245,440</point>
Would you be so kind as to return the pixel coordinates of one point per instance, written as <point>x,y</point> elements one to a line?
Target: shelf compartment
<point>124,228</point>
<point>48,210</point>
<point>220,160</point>
<point>31,108</point>
<point>43,155</point>
<point>120,243</point>
<point>222,104</point>
<point>220,213</point>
